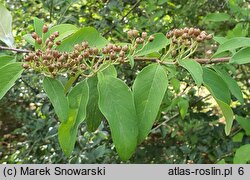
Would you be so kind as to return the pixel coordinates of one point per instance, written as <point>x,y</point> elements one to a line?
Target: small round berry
<point>34,35</point>
<point>45,28</point>
<point>144,35</point>
<point>151,38</point>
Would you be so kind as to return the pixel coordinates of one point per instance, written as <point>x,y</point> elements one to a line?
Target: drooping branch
<point>152,59</point>
<point>14,49</point>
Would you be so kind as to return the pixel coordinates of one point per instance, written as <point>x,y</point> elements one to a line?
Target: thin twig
<point>27,84</point>
<point>123,17</point>
<point>14,49</point>
<point>164,122</point>
<point>214,60</point>
<point>152,59</point>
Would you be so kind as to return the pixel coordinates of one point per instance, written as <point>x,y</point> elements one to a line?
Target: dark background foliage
<point>28,123</point>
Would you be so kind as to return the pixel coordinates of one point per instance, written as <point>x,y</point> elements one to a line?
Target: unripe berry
<point>135,32</point>
<point>144,35</point>
<point>151,38</point>
<point>191,31</point>
<point>50,45</point>
<point>86,54</point>
<point>25,66</point>
<point>125,48</point>
<point>197,31</point>
<point>34,35</point>
<point>85,45</point>
<point>122,54</point>
<point>45,28</point>
<point>209,37</point>
<point>58,43</point>
<point>139,40</point>
<point>104,51</point>
<point>130,34</point>
<point>95,51</point>
<point>52,37</point>
<point>39,41</point>
<point>112,55</point>
<point>56,34</point>
<point>186,30</point>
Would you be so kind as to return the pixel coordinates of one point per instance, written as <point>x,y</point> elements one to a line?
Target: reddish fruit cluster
<point>139,39</point>
<point>115,52</point>
<point>185,35</point>
<point>80,60</point>
<point>49,42</point>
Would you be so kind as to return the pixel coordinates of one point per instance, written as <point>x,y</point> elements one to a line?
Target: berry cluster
<point>187,35</point>
<point>139,39</point>
<point>83,59</point>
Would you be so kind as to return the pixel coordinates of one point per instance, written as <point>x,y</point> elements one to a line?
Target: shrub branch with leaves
<point>93,90</point>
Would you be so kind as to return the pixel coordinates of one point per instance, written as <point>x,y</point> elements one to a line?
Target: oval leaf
<point>64,31</point>
<point>160,41</point>
<point>67,131</point>
<point>241,57</point>
<point>55,91</point>
<point>217,17</point>
<point>219,90</point>
<point>6,27</point>
<point>242,154</point>
<point>89,34</point>
<point>6,59</point>
<point>9,74</point>
<point>231,83</point>
<point>117,105</point>
<point>149,88</point>
<point>233,44</point>
<point>244,123</point>
<point>94,115</point>
<point>194,68</point>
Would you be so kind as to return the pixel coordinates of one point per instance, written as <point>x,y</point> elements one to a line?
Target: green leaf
<point>6,27</point>
<point>55,91</point>
<point>9,74</point>
<point>238,137</point>
<point>219,39</point>
<point>242,154</point>
<point>67,131</point>
<point>38,25</point>
<point>149,88</point>
<point>219,90</point>
<point>64,30</point>
<point>160,41</point>
<point>228,114</point>
<point>217,17</point>
<point>109,70</point>
<point>241,57</point>
<point>231,83</point>
<point>176,84</point>
<point>89,34</point>
<point>94,115</point>
<point>244,123</point>
<point>233,44</point>
<point>217,85</point>
<point>131,61</point>
<point>117,105</point>
<point>222,161</point>
<point>69,83</point>
<point>194,68</point>
<point>183,107</point>
<point>29,39</point>
<point>6,59</point>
